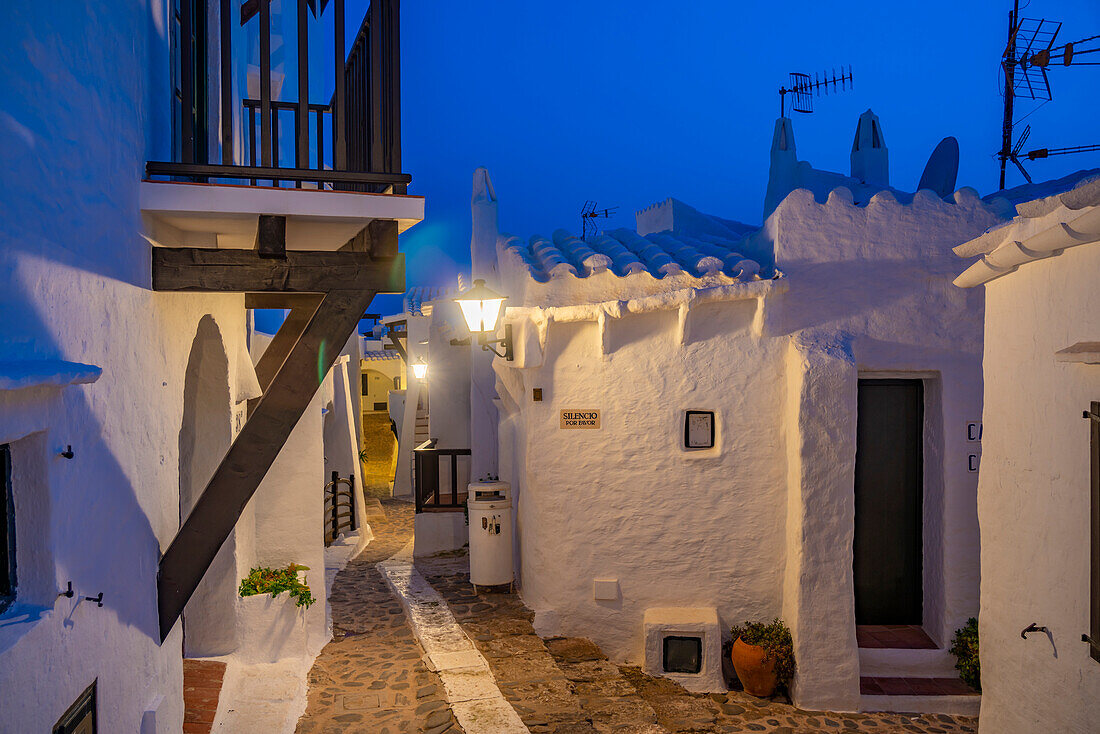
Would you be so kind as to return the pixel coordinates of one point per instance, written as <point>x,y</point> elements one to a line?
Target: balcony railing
<point>352,143</point>
<point>429,498</point>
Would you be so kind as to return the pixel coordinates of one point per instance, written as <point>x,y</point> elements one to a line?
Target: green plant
<point>965,649</point>
<point>776,640</point>
<point>277,580</point>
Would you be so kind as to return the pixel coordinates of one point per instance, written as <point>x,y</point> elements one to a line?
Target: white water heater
<point>490,509</point>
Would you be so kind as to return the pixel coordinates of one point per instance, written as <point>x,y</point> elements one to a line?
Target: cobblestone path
<point>370,678</point>
<point>567,685</point>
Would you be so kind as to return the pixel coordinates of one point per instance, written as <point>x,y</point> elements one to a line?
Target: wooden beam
<point>379,238</point>
<point>397,345</point>
<point>271,236</point>
<point>281,300</point>
<point>237,271</point>
<point>284,340</point>
<point>254,450</point>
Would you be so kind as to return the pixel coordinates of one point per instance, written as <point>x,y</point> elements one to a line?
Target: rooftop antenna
<point>1030,51</point>
<point>589,212</point>
<point>803,89</point>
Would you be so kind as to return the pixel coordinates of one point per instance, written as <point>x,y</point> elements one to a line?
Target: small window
<point>683,654</point>
<point>81,716</point>
<point>7,531</point>
<point>366,384</point>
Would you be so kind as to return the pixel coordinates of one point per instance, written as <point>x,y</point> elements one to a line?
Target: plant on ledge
<point>277,580</point>
<point>763,656</point>
<point>965,649</point>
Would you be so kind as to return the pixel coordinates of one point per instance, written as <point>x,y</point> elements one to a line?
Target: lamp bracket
<point>486,343</point>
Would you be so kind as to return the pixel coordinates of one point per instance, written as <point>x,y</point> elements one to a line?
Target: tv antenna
<point>589,213</point>
<point>1030,51</point>
<point>804,89</point>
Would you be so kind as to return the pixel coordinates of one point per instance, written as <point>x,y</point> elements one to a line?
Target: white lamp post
<point>481,309</point>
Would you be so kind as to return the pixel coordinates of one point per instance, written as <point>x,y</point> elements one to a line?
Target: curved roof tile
<point>624,252</point>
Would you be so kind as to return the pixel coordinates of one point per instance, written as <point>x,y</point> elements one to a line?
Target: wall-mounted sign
<point>580,419</point>
<point>699,429</point>
<point>974,431</point>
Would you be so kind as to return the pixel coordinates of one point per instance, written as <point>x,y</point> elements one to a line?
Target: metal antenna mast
<point>588,218</point>
<point>803,89</point>
<point>1028,53</point>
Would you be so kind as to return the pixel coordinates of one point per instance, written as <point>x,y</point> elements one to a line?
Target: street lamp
<point>420,369</point>
<point>481,308</point>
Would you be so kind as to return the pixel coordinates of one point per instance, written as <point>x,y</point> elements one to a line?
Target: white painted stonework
<point>772,337</point>
<point>1033,497</point>
<point>148,388</point>
<point>662,622</point>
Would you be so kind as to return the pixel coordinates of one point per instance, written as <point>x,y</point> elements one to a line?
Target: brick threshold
<point>202,686</point>
<point>893,637</point>
<point>887,686</point>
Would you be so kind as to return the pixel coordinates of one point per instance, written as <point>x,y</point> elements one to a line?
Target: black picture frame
<point>687,428</point>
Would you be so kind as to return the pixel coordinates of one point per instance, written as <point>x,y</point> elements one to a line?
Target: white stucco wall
<point>1033,498</point>
<point>79,124</point>
<point>763,525</point>
<point>626,502</point>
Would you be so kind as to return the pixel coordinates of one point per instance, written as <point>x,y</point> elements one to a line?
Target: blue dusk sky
<point>628,102</point>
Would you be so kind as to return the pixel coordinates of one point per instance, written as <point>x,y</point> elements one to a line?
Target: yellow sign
<point>580,419</point>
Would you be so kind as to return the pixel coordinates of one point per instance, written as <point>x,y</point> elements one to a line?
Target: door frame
<point>932,493</point>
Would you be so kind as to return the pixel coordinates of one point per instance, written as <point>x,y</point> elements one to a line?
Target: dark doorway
<point>889,531</point>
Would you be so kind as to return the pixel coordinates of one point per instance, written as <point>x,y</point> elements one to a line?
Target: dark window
<point>380,406</point>
<point>683,654</point>
<point>366,384</point>
<point>80,718</point>
<point>1094,470</point>
<point>7,531</point>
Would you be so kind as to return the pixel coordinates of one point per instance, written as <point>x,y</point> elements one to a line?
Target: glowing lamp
<point>481,308</point>
<point>420,369</point>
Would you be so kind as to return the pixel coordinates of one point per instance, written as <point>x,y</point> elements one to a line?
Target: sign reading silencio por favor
<point>580,419</point>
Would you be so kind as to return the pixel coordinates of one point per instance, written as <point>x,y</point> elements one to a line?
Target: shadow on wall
<point>831,292</point>
<point>209,619</point>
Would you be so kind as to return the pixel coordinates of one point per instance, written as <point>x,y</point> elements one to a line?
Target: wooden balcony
<point>352,142</point>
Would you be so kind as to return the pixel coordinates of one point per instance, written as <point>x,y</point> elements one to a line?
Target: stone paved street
<point>371,677</point>
<point>567,685</point>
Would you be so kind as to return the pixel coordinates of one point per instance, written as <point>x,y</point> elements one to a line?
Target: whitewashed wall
<point>763,525</point>
<point>86,103</point>
<point>1033,498</point>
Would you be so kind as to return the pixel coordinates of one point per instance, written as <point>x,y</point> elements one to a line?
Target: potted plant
<point>275,580</point>
<point>763,656</point>
<point>272,625</point>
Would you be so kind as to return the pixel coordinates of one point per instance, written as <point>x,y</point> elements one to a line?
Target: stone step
<point>937,695</point>
<point>916,663</point>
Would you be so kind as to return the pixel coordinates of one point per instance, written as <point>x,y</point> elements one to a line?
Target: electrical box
<point>699,429</point>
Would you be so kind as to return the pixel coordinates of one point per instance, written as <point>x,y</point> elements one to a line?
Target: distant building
<point>1039,485</point>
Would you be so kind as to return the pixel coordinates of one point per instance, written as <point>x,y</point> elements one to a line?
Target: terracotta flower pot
<point>756,676</point>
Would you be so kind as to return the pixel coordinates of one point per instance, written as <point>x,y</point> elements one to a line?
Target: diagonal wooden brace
<point>255,448</point>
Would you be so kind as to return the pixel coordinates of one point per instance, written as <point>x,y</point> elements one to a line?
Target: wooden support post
<point>271,236</point>
<point>379,238</point>
<point>254,450</point>
<point>266,130</point>
<point>339,98</point>
<point>302,133</point>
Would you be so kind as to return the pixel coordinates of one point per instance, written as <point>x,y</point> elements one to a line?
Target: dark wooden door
<point>889,537</point>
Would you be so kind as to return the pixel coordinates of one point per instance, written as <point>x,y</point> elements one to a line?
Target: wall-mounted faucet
<point>1033,627</point>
